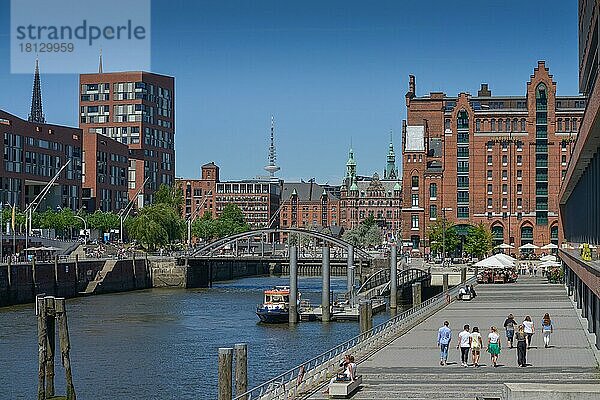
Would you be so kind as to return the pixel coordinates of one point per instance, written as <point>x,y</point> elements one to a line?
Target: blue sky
<point>330,72</point>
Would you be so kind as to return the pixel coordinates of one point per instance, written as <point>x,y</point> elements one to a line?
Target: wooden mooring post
<point>225,373</point>
<point>51,314</point>
<point>241,369</point>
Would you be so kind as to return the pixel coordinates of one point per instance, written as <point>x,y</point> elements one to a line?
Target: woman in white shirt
<point>494,345</point>
<point>529,330</point>
<point>476,345</point>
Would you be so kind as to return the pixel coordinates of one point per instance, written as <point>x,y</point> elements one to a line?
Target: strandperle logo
<point>67,36</point>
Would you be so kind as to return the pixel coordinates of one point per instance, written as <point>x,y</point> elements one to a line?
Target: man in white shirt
<point>464,343</point>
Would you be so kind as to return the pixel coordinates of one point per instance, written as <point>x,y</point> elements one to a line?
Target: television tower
<point>271,168</point>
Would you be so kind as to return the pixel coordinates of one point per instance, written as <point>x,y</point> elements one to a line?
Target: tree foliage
<point>479,241</point>
<point>156,226</point>
<point>230,222</point>
<point>440,242</point>
<point>170,196</point>
<point>103,221</point>
<point>366,234</point>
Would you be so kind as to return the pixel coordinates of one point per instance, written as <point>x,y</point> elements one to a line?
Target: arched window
<point>523,125</point>
<point>515,125</point>
<point>541,98</point>
<point>497,234</point>
<point>554,234</point>
<point>526,234</point>
<point>500,121</point>
<point>463,120</point>
<point>433,190</point>
<point>493,125</point>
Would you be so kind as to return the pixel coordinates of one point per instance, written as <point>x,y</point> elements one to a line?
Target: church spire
<point>390,171</point>
<point>271,168</point>
<point>36,114</point>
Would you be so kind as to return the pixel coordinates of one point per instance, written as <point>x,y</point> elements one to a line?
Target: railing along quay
<point>304,378</point>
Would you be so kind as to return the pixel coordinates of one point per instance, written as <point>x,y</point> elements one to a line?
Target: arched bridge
<point>379,283</point>
<point>210,248</point>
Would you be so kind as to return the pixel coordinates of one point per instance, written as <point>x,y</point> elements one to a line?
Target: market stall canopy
<point>550,264</point>
<point>50,248</point>
<point>494,262</point>
<point>504,246</point>
<point>506,257</point>
<point>549,246</point>
<point>529,246</point>
<point>548,257</point>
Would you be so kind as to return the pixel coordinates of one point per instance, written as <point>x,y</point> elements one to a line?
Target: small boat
<point>276,306</point>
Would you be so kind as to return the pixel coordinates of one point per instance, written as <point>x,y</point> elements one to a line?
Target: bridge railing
<point>318,370</point>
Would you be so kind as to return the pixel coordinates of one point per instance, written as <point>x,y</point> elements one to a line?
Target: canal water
<point>162,344</point>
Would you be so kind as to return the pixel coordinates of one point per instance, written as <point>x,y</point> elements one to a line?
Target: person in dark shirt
<point>509,326</point>
<point>521,346</point>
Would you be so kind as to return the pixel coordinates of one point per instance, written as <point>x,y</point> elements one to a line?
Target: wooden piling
<point>365,315</point>
<point>325,293</point>
<point>50,313</point>
<point>55,275</point>
<point>445,283</point>
<point>241,369</point>
<point>463,275</point>
<point>293,311</point>
<point>225,367</point>
<point>65,346</point>
<point>416,293</point>
<point>42,342</point>
<point>350,269</point>
<point>393,278</point>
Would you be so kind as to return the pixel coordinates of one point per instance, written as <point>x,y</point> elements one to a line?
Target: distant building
<point>34,151</point>
<point>258,199</point>
<point>308,205</point>
<point>362,197</point>
<point>137,109</point>
<point>498,160</point>
<point>104,179</point>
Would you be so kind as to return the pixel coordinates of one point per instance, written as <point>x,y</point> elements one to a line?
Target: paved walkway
<point>409,367</point>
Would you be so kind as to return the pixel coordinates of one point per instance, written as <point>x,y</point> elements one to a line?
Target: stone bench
<point>344,388</point>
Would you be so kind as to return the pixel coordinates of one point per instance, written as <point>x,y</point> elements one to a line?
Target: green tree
<point>103,221</point>
<point>366,234</point>
<point>205,227</point>
<point>438,241</point>
<point>171,196</point>
<point>156,225</point>
<point>479,241</point>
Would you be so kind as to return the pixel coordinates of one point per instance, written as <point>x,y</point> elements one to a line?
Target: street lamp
<point>444,209</point>
<point>84,228</point>
<point>193,216</point>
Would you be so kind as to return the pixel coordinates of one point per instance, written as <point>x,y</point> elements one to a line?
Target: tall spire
<point>271,168</point>
<point>100,64</point>
<point>390,171</point>
<point>36,114</point>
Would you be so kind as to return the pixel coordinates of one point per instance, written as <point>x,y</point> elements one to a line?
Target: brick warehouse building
<point>498,160</point>
<point>138,110</point>
<point>363,196</point>
<point>308,205</point>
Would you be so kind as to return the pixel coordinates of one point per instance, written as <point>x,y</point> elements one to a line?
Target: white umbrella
<point>505,257</point>
<point>550,264</point>
<point>529,246</point>
<point>548,257</point>
<point>494,262</point>
<point>504,246</point>
<point>549,246</point>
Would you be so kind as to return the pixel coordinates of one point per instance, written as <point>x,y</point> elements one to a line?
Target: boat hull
<point>270,316</point>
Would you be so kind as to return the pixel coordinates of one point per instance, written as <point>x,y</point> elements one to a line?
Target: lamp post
<point>84,228</point>
<point>193,216</point>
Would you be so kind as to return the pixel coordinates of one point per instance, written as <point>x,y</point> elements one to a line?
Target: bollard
<point>293,314</point>
<point>350,269</point>
<point>326,274</point>
<point>463,275</point>
<point>393,278</point>
<point>416,292</point>
<point>241,369</point>
<point>225,368</point>
<point>365,315</point>
<point>445,283</point>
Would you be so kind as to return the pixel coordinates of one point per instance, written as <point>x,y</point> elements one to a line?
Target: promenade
<point>408,368</point>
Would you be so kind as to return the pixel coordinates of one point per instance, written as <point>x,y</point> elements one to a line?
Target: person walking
<point>547,329</point>
<point>464,343</point>
<point>521,338</point>
<point>494,345</point>
<point>443,340</point>
<point>509,326</point>
<point>476,345</point>
<point>529,330</point>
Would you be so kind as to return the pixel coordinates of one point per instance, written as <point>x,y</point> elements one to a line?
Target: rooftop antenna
<point>100,64</point>
<point>271,168</point>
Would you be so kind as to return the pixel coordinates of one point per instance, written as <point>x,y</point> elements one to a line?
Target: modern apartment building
<point>580,192</point>
<point>138,110</point>
<point>105,168</point>
<point>498,160</point>
<point>33,153</point>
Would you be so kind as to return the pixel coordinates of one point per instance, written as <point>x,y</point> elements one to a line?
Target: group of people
<point>471,341</point>
<point>501,275</point>
<point>467,290</point>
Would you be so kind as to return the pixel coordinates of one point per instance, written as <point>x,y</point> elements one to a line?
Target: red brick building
<point>362,197</point>
<point>258,199</point>
<point>492,159</point>
<point>308,205</point>
<point>138,110</point>
<point>104,179</point>
<point>33,153</point>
